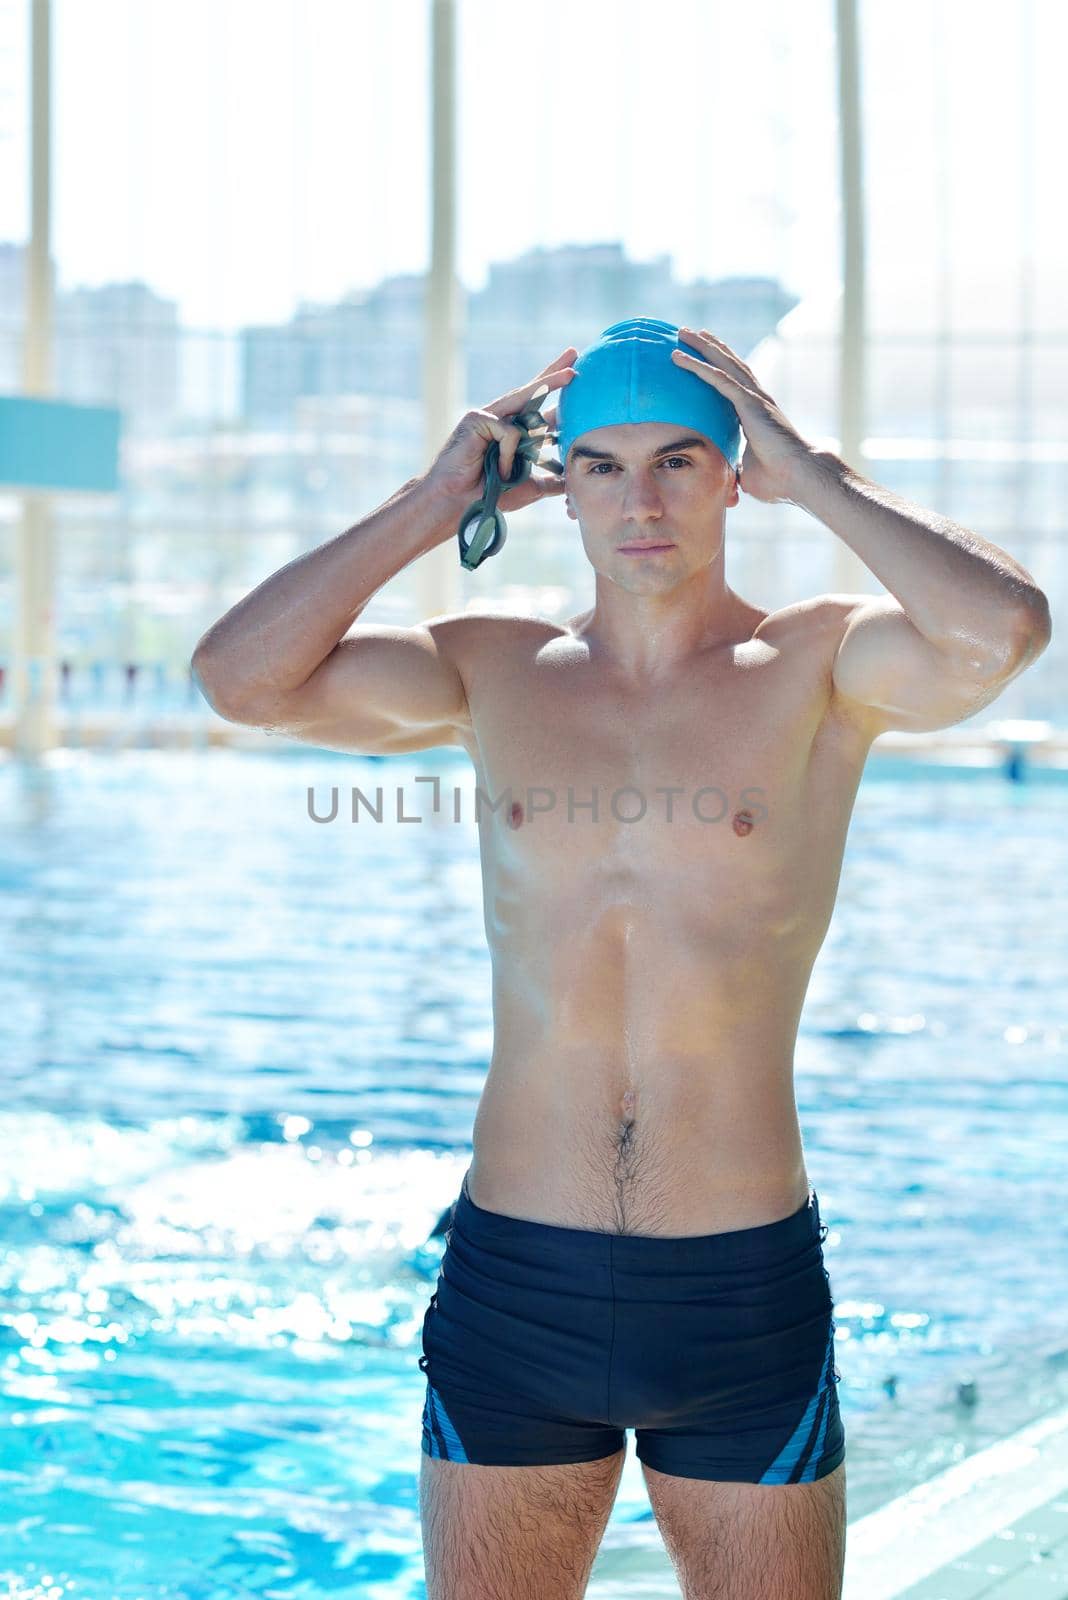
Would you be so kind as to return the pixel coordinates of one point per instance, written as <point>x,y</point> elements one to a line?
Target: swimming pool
<point>242,1053</point>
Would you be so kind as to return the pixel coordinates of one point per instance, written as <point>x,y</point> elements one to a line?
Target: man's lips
<point>647,544</point>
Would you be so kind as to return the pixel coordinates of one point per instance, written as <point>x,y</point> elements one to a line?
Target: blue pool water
<point>241,1056</point>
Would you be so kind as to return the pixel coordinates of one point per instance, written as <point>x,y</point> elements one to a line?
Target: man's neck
<point>646,638</point>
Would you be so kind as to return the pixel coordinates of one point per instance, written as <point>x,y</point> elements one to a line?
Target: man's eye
<point>611,465</point>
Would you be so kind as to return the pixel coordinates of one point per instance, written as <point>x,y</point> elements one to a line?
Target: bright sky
<point>240,160</point>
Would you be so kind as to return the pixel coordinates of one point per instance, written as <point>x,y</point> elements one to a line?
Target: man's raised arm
<point>270,643</point>
<point>280,658</point>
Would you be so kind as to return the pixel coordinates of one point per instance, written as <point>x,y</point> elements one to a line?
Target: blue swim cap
<point>628,376</point>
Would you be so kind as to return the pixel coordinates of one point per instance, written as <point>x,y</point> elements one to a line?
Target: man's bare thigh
<point>513,1533</point>
<point>753,1541</point>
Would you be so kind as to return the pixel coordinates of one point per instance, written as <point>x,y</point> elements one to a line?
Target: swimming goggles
<point>490,530</point>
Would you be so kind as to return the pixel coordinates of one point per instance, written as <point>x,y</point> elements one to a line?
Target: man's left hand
<point>775,453</point>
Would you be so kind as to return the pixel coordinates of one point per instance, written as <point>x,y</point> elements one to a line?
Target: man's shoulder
<point>501,624</point>
<point>810,631</point>
<point>467,636</point>
<point>819,617</point>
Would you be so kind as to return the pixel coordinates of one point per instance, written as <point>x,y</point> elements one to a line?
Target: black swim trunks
<point>543,1344</point>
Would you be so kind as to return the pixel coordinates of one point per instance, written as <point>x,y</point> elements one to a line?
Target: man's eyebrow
<point>690,441</point>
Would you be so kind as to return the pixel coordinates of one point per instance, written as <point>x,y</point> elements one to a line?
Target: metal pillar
<point>33,676</point>
<point>437,572</point>
<point>851,576</point>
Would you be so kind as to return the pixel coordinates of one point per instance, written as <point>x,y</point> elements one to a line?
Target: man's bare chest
<point>706,777</point>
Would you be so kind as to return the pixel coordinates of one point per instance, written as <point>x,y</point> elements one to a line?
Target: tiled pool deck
<point>992,1527</point>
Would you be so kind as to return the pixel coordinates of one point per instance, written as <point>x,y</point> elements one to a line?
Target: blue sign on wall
<point>55,444</point>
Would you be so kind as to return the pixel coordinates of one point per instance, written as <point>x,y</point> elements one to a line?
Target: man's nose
<point>641,496</point>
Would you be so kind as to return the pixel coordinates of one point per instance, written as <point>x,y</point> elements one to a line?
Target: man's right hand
<point>457,470</point>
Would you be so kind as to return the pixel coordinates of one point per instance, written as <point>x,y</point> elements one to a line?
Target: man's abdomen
<point>672,1147</point>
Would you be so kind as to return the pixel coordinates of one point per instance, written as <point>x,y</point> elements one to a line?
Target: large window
<point>241,232</point>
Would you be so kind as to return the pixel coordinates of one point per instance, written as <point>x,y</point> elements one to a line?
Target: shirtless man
<point>636,1242</point>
